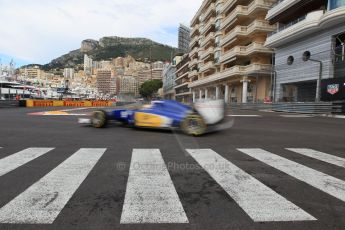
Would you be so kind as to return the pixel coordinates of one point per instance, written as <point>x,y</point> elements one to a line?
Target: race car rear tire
<point>99,119</point>
<point>194,125</point>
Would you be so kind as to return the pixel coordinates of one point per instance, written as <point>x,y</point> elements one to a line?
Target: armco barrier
<point>307,108</point>
<point>8,103</point>
<point>53,103</point>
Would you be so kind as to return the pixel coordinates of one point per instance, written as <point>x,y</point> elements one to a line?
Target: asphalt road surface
<point>269,171</point>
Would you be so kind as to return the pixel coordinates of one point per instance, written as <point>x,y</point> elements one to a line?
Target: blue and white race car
<point>202,117</point>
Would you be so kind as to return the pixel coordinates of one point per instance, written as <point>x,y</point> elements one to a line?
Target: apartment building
<point>183,38</point>
<point>68,73</point>
<point>153,73</point>
<point>182,92</point>
<point>169,81</point>
<point>88,65</point>
<point>33,72</point>
<point>313,30</point>
<point>228,56</point>
<point>103,81</point>
<point>169,76</point>
<point>129,86</point>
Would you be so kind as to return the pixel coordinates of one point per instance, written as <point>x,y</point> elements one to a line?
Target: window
<point>217,41</point>
<point>290,60</point>
<point>217,56</point>
<point>218,22</point>
<point>334,4</point>
<point>219,9</point>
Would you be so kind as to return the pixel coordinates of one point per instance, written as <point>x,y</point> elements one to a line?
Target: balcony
<point>181,85</point>
<point>195,30</point>
<point>207,53</point>
<point>193,63</point>
<point>304,26</point>
<point>227,5</point>
<point>257,25</point>
<point>193,52</point>
<point>182,76</point>
<point>194,41</point>
<point>281,6</point>
<point>245,51</point>
<point>210,37</point>
<point>211,9</point>
<point>206,67</point>
<point>246,10</point>
<point>193,73</point>
<point>208,25</point>
<point>233,72</point>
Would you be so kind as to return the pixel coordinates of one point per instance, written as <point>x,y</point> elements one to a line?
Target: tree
<point>148,88</point>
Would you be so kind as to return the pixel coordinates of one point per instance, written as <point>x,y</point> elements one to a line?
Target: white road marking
<point>43,201</point>
<point>259,201</point>
<point>319,180</point>
<point>297,116</point>
<point>338,161</point>
<point>244,115</point>
<point>16,160</point>
<point>339,116</point>
<point>77,109</point>
<point>150,195</point>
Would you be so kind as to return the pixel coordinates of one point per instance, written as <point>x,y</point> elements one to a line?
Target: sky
<point>37,31</point>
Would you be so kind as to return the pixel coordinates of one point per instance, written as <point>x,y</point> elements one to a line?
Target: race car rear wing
<point>213,111</point>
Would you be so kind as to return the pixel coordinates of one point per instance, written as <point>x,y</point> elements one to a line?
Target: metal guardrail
<point>8,103</point>
<point>307,108</point>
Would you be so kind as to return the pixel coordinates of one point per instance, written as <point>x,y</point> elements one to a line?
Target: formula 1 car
<point>196,120</point>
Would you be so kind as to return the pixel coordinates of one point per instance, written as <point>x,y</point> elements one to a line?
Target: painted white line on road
<point>297,116</point>
<point>244,115</point>
<point>16,160</point>
<point>69,114</point>
<point>339,116</point>
<point>259,201</point>
<point>319,180</point>
<point>76,109</point>
<point>338,161</point>
<point>150,195</point>
<point>43,201</point>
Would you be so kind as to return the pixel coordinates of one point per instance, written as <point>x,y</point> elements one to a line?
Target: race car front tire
<point>99,119</point>
<point>193,125</point>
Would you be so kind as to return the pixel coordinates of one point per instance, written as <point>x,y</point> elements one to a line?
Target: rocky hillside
<point>111,47</point>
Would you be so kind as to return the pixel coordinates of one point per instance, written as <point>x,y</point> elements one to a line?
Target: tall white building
<point>68,73</point>
<point>129,85</point>
<point>88,65</point>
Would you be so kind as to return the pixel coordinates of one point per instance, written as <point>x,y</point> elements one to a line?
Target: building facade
<point>183,38</point>
<point>228,56</point>
<point>129,86</point>
<point>88,65</point>
<point>68,73</point>
<point>315,28</point>
<point>182,92</point>
<point>33,72</point>
<point>103,82</point>
<point>153,73</point>
<point>169,81</point>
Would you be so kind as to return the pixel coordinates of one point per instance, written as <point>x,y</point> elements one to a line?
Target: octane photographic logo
<point>333,89</point>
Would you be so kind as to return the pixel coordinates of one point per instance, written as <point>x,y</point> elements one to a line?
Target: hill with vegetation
<point>107,48</point>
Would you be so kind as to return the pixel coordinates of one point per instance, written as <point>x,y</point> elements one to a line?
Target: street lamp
<point>307,57</point>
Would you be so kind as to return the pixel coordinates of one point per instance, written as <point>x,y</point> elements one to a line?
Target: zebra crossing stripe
<point>43,201</point>
<point>319,180</point>
<point>259,201</point>
<point>150,195</point>
<point>338,161</point>
<point>16,160</point>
